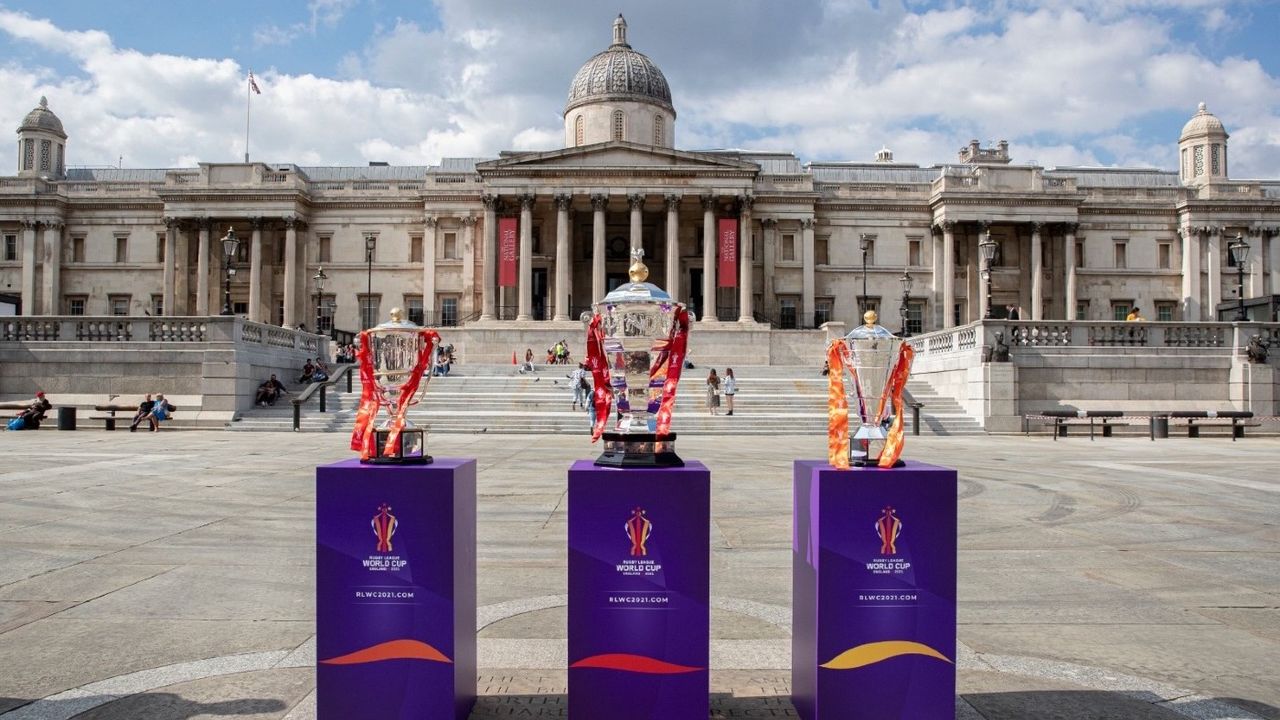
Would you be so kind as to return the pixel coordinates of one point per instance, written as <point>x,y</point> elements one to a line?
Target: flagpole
<point>248,98</point>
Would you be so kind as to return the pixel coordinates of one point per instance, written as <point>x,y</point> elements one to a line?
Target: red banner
<point>728,253</point>
<point>508,251</point>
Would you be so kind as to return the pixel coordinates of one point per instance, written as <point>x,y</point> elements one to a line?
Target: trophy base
<point>639,450</point>
<point>412,450</point>
<point>865,462</point>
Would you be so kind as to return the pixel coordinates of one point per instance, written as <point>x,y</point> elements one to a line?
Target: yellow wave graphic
<point>875,652</point>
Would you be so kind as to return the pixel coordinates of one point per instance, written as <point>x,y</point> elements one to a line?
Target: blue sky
<point>1094,82</point>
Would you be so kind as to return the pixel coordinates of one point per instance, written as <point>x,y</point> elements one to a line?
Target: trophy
<point>394,357</point>
<point>636,342</point>
<point>879,364</point>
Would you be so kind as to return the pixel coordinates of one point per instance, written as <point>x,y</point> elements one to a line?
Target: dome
<point>1203,123</point>
<point>619,73</point>
<point>42,118</point>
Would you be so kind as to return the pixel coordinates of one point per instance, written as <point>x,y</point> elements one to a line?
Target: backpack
<point>17,424</point>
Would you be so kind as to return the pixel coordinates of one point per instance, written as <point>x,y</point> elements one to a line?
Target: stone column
<point>1213,266</point>
<point>709,242</point>
<point>291,272</point>
<point>255,269</point>
<point>468,304</point>
<point>51,302</point>
<point>430,238</point>
<point>1273,259</point>
<point>1070,259</point>
<point>489,298</point>
<point>564,259</point>
<point>935,277</point>
<point>673,246</point>
<point>1190,274</point>
<point>170,249</point>
<point>746,298</point>
<point>29,267</point>
<point>768,253</point>
<point>948,274</point>
<point>984,230</point>
<point>808,305</point>
<point>1037,272</point>
<point>525,310</point>
<point>182,278</point>
<point>636,201</point>
<point>1253,269</point>
<point>599,203</point>
<point>202,268</point>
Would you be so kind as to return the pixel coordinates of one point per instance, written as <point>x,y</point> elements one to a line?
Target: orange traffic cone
<point>513,357</point>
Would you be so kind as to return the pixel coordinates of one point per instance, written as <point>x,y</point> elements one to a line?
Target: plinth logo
<point>384,527</point>
<point>638,531</point>
<point>888,528</point>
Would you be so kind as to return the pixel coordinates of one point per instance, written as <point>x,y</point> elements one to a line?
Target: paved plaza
<point>170,576</point>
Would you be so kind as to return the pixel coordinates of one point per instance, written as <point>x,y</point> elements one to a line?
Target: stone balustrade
<point>115,329</point>
<point>1017,334</point>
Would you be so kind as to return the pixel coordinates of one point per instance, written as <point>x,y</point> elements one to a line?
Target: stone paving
<point>170,575</point>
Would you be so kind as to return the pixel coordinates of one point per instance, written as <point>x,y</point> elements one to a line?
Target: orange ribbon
<point>363,437</point>
<point>837,407</point>
<point>897,384</point>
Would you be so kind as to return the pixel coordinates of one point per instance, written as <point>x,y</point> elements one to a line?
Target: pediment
<point>614,154</point>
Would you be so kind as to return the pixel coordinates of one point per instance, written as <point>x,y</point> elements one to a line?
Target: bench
<point>1236,419</point>
<point>109,419</point>
<point>1060,420</point>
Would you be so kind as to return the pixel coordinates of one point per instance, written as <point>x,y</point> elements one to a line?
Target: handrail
<point>322,386</point>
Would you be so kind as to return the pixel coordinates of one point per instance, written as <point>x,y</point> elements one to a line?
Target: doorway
<point>695,291</point>
<point>539,293</point>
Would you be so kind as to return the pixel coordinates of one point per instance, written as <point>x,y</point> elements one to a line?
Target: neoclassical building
<point>1072,243</point>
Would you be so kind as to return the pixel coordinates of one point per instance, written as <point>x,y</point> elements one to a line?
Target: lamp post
<point>987,249</point>
<point>864,242</point>
<point>229,246</point>
<point>320,277</point>
<point>906,300</point>
<point>1239,255</point>
<point>370,242</point>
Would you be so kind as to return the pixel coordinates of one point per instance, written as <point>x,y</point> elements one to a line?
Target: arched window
<point>657,129</point>
<point>617,124</point>
<point>577,131</point>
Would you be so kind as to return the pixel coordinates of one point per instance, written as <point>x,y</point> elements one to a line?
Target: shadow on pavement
<point>1100,705</point>
<point>501,707</point>
<point>151,705</point>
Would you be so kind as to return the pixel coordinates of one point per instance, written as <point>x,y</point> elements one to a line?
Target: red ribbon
<point>671,364</point>
<point>364,434</point>
<point>599,367</point>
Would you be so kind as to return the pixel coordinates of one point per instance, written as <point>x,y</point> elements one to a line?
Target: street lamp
<point>320,277</point>
<point>987,249</point>
<point>906,300</point>
<point>229,246</point>
<point>864,242</point>
<point>370,242</point>
<point>1239,254</point>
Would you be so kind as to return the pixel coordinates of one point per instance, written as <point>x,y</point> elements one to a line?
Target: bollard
<point>322,389</point>
<point>915,419</point>
<point>297,416</point>
<point>348,381</point>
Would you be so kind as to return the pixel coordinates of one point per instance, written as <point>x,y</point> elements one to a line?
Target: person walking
<point>713,393</point>
<point>578,381</point>
<point>730,384</point>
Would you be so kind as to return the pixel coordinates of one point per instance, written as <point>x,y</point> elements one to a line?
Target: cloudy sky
<point>1096,82</point>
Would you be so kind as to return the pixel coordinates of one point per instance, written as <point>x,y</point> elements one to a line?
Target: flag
<point>253,84</point>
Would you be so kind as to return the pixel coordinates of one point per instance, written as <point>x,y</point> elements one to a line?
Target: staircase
<point>771,400</point>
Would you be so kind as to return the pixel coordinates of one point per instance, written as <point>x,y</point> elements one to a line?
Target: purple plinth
<point>396,590</point>
<point>639,592</point>
<point>874,592</point>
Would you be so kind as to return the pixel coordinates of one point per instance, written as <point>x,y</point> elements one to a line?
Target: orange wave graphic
<point>875,652</point>
<point>391,650</point>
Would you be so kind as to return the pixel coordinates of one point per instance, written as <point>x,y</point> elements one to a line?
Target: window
<point>29,155</point>
<point>617,124</point>
<point>1079,253</point>
<point>122,249</point>
<point>1198,154</point>
<point>1214,164</point>
<point>537,242</point>
<point>657,131</point>
<point>820,245</point>
<point>959,313</point>
<point>1121,254</point>
<point>451,246</point>
<point>787,313</point>
<point>577,131</point>
<point>157,305</point>
<point>1164,311</point>
<point>413,305</point>
<point>913,253</point>
<point>242,250</point>
<point>239,308</point>
<point>415,250</point>
<point>60,169</point>
<point>869,303</point>
<point>369,314</point>
<point>449,311</point>
<point>915,316</point>
<point>279,310</point>
<point>1120,309</point>
<point>1082,309</point>
<point>11,248</point>
<point>77,249</point>
<point>45,148</point>
<point>279,253</point>
<point>1186,166</point>
<point>1164,255</point>
<point>75,304</point>
<point>822,310</point>
<point>789,247</point>
<point>119,304</point>
<point>159,247</point>
<point>326,249</point>
<point>324,314</point>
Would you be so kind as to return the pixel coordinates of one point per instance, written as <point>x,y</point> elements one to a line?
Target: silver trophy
<point>641,333</point>
<point>398,356</point>
<point>873,353</point>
